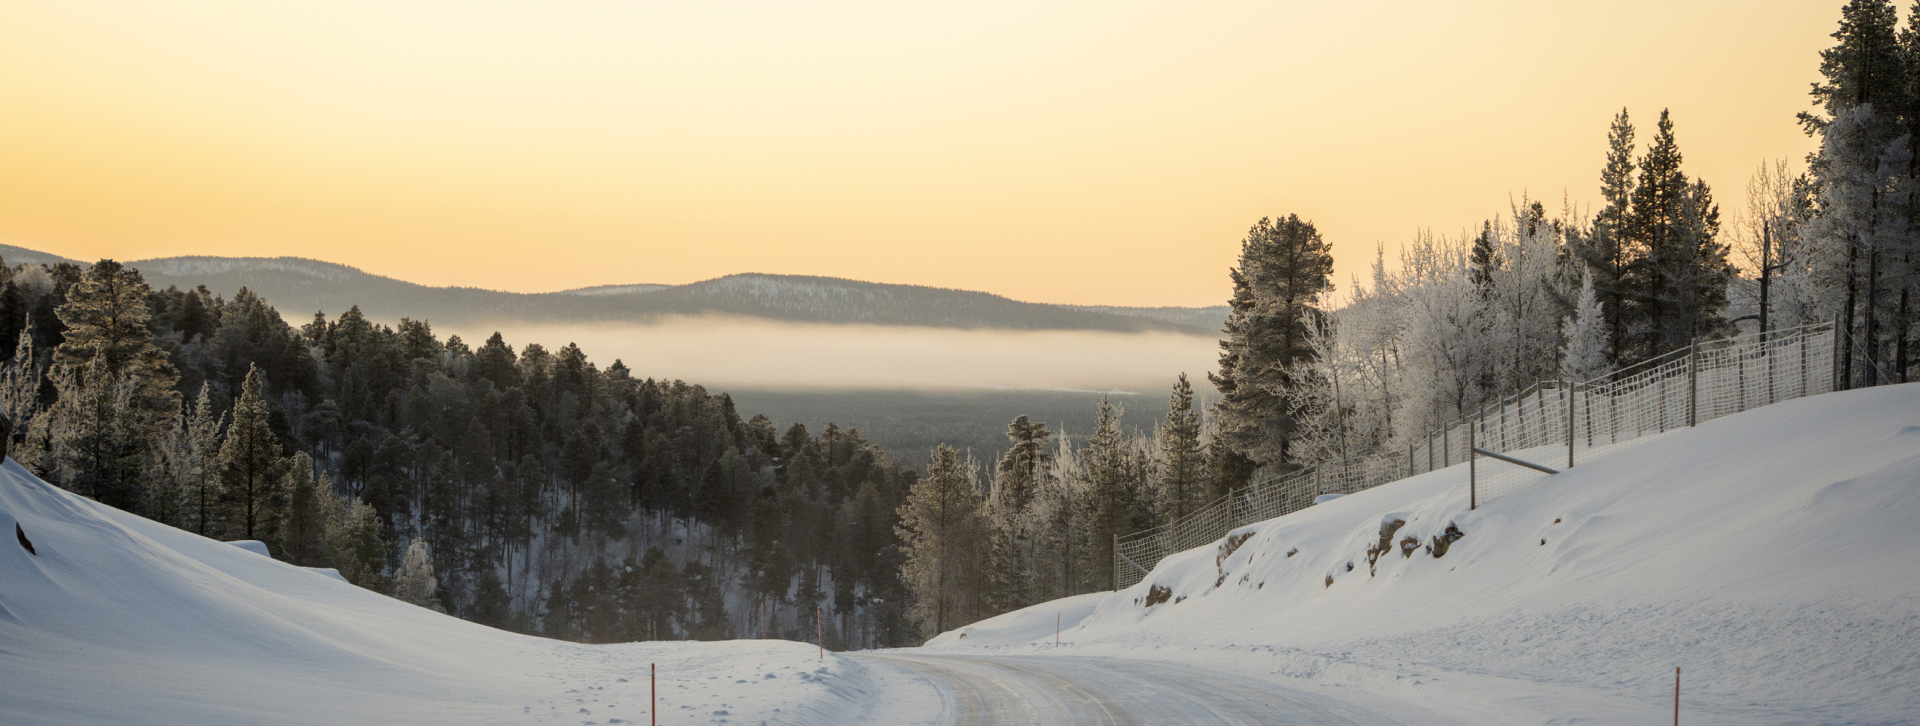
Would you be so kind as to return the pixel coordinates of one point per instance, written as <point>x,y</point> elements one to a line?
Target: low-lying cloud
<point>731,352</point>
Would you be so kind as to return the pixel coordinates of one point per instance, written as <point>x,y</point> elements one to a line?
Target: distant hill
<point>298,287</point>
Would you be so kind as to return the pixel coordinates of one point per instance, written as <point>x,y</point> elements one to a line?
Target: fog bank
<point>731,352</point>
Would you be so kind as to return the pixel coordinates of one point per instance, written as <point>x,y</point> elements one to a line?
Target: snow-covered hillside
<point>1765,553</point>
<point>115,619</point>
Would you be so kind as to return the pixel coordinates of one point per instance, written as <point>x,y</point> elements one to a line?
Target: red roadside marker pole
<point>653,693</point>
<point>1676,696</point>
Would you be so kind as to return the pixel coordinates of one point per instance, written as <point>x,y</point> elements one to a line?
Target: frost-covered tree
<point>1117,470</point>
<point>99,441</point>
<point>1448,348</point>
<point>942,527</point>
<point>1863,186</point>
<point>415,582</point>
<point>1584,356</point>
<point>351,531</point>
<point>1284,269</point>
<point>1771,242</point>
<point>1016,482</point>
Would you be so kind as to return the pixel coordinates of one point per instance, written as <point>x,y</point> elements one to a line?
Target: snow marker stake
<point>1056,630</point>
<point>820,631</point>
<point>1676,696</point>
<point>653,692</point>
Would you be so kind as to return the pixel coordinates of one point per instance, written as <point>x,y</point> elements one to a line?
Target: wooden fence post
<point>1473,483</point>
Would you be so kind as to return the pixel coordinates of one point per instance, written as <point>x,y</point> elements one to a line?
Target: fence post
<point>1473,483</point>
<point>1803,363</point>
<point>1693,380</point>
<point>1409,459</point>
<point>1569,386</point>
<point>1839,349</point>
<point>1446,444</point>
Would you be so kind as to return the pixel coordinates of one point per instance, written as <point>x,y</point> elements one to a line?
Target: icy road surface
<point>1090,690</point>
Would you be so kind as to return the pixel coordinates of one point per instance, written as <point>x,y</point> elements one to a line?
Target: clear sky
<point>1085,152</point>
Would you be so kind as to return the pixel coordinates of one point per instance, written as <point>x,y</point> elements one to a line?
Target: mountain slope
<point>1761,552</point>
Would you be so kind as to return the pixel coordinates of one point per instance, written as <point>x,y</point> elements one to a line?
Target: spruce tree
<point>1606,250</point>
<point>1284,269</point>
<point>1680,272</point>
<point>302,541</point>
<point>1183,480</point>
<point>1866,65</point>
<point>251,466</point>
<point>415,582</point>
<point>1583,357</point>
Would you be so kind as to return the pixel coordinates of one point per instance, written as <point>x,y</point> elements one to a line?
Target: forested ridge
<point>529,489</point>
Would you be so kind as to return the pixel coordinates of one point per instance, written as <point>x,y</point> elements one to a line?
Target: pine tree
<point>1584,356</point>
<point>119,392</point>
<point>1183,486</point>
<point>1020,467</point>
<point>1284,269</point>
<point>1016,482</point>
<point>250,466</point>
<point>107,319</point>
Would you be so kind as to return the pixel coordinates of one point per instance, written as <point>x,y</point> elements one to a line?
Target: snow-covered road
<point>1091,690</point>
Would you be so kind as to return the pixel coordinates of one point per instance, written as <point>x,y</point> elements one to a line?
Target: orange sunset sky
<point>1073,152</point>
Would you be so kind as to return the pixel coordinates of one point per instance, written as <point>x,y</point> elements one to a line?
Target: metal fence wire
<point>1555,424</point>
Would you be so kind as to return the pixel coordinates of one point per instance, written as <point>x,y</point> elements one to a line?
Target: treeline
<point>531,489</point>
<point>1533,295</point>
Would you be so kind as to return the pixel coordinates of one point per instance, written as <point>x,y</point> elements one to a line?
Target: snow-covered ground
<point>1767,554</point>
<point>117,619</point>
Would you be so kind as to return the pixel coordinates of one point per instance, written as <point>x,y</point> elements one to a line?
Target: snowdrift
<point>115,619</point>
<point>1766,553</point>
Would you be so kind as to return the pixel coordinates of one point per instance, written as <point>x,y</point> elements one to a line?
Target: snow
<point>252,545</point>
<point>1030,624</point>
<point>1764,553</point>
<point>121,620</point>
<point>1761,552</point>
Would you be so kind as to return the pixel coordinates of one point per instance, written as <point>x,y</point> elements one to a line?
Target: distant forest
<point>536,490</point>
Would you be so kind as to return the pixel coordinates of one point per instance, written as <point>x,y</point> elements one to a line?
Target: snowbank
<point>1761,552</point>
<point>1036,624</point>
<point>116,619</point>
